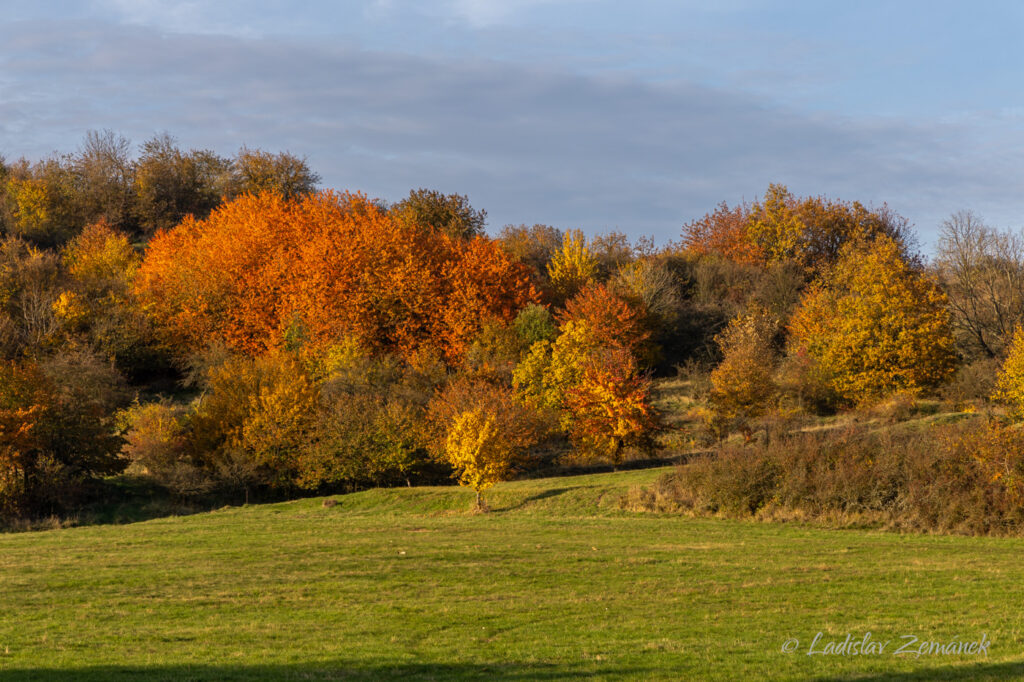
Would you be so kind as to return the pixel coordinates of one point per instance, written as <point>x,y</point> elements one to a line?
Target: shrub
<point>960,478</point>
<point>256,412</point>
<point>742,385</point>
<point>362,439</point>
<point>157,445</point>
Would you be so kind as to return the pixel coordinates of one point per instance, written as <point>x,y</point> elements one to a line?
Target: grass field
<point>555,583</point>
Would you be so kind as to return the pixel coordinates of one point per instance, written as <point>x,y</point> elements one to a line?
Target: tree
<point>810,231</point>
<point>552,368</point>
<point>572,267</point>
<point>1010,380</point>
<point>534,323</point>
<point>56,430</point>
<point>874,324</point>
<point>534,245</point>
<point>481,282</point>
<point>40,201</point>
<point>982,272</point>
<point>450,214</point>
<point>254,171</point>
<point>521,426</point>
<point>612,251</point>
<point>477,452</point>
<point>262,267</point>
<point>723,232</point>
<point>30,284</point>
<point>106,176</point>
<point>613,321</point>
<point>171,184</point>
<point>96,305</point>
<point>650,286</point>
<point>611,405</point>
<point>362,439</point>
<point>742,385</point>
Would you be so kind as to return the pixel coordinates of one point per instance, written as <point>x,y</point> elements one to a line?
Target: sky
<point>592,114</point>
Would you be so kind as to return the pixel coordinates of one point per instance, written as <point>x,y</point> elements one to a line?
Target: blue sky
<point>601,115</point>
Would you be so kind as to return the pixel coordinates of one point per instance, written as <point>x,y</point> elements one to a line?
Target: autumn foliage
<point>1010,380</point>
<point>611,405</point>
<point>325,266</point>
<point>326,341</point>
<point>743,384</point>
<point>875,324</point>
<point>810,231</point>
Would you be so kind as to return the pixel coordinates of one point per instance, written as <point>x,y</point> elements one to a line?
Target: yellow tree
<point>875,324</point>
<point>1010,382</point>
<point>478,451</point>
<point>572,267</point>
<point>552,368</point>
<point>774,225</point>
<point>742,386</point>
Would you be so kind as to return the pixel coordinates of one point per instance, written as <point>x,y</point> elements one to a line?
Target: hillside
<point>556,582</point>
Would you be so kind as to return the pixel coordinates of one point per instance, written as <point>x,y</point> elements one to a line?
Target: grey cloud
<point>529,144</point>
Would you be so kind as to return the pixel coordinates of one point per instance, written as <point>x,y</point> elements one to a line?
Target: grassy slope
<point>554,583</point>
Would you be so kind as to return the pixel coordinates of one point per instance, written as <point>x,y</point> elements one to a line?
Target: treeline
<point>222,327</point>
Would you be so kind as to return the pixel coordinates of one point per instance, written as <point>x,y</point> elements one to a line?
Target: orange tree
<point>612,320</point>
<point>322,267</point>
<point>611,405</point>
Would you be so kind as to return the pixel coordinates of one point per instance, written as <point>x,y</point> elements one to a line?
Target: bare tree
<point>982,271</point>
<point>106,173</point>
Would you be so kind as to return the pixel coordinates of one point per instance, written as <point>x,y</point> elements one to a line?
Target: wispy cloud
<point>527,143</point>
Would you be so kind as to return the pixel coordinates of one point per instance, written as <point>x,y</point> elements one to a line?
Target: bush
<point>743,386</point>
<point>362,440</point>
<point>965,478</point>
<point>157,445</point>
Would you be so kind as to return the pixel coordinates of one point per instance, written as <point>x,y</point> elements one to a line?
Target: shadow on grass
<point>978,671</point>
<point>554,492</point>
<point>510,672</point>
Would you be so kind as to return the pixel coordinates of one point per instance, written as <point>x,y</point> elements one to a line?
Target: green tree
<point>451,214</point>
<point>171,184</point>
<point>254,171</point>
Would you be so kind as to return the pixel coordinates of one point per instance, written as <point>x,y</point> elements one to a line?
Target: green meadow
<point>556,582</point>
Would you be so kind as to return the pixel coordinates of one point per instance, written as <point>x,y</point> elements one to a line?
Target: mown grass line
<point>555,583</point>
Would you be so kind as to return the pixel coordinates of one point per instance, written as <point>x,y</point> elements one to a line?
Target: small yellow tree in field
<point>1010,382</point>
<point>477,451</point>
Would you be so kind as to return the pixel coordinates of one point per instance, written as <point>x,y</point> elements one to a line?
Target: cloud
<point>528,143</point>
